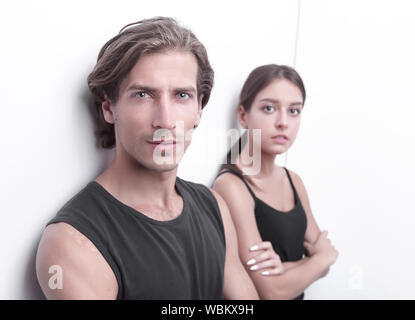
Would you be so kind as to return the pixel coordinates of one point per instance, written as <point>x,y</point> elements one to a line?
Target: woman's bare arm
<point>287,285</point>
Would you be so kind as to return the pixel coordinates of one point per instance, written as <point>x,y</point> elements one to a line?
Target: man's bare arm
<point>68,254</point>
<point>237,283</point>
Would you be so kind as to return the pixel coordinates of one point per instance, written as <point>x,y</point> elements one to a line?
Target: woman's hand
<point>266,259</point>
<point>322,248</point>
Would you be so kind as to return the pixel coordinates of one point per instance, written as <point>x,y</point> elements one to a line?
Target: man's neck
<point>148,191</point>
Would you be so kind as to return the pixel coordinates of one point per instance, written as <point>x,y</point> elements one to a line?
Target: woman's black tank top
<point>285,230</point>
<point>182,258</point>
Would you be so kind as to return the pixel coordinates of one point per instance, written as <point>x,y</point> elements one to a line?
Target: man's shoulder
<point>75,259</point>
<point>82,200</point>
<point>87,210</point>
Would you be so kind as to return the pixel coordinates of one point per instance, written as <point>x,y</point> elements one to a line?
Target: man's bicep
<point>237,283</point>
<point>69,266</point>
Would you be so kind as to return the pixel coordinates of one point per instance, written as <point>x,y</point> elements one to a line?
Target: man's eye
<point>141,94</point>
<point>183,95</point>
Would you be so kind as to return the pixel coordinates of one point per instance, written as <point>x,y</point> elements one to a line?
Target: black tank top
<point>285,230</point>
<point>181,258</point>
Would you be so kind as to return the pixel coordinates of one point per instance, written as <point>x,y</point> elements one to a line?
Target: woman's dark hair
<point>257,80</point>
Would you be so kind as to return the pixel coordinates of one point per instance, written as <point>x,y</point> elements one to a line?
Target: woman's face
<point>276,110</point>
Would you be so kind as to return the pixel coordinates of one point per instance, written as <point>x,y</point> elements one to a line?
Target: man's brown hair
<point>120,54</point>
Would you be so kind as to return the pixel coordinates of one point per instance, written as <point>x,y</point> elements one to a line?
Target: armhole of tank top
<point>218,212</point>
<point>292,184</point>
<point>243,180</point>
<point>100,247</point>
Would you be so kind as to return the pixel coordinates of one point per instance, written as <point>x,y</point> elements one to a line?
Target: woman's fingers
<point>272,265</point>
<point>273,272</point>
<point>260,257</point>
<point>261,246</point>
<point>266,259</point>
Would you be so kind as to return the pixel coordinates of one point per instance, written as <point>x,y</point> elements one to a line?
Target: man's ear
<point>107,110</point>
<point>199,112</point>
<point>242,117</point>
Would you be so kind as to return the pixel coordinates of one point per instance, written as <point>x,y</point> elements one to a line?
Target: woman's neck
<point>267,165</point>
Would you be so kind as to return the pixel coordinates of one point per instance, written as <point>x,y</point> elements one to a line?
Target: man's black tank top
<point>285,230</point>
<point>181,258</point>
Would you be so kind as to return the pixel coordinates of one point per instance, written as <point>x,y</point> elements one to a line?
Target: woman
<point>272,205</point>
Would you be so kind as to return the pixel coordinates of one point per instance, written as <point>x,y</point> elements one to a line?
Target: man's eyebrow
<point>186,89</point>
<point>137,86</point>
<point>297,103</point>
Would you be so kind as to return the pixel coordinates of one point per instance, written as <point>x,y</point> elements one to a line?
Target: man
<point>138,231</point>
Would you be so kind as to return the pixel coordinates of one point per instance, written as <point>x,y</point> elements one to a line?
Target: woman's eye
<point>295,111</point>
<point>141,94</point>
<point>268,108</point>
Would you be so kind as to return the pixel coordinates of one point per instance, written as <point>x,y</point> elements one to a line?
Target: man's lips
<point>163,142</point>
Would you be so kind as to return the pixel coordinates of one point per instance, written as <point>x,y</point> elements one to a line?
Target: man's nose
<point>164,115</point>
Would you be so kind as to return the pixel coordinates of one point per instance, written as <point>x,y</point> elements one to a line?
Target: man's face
<point>156,98</point>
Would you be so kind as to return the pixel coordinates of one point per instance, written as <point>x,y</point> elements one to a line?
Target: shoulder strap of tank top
<point>291,182</point>
<point>243,180</point>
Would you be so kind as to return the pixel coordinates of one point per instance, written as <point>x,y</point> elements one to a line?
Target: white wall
<point>353,152</point>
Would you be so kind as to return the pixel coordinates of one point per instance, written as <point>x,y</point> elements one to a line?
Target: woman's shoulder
<point>294,176</point>
<point>230,186</point>
<point>229,179</point>
<point>298,184</point>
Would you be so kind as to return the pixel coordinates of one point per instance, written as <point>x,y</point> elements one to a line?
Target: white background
<point>354,152</point>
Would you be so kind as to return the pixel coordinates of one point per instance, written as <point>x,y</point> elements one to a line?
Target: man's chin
<point>155,164</point>
<point>164,167</point>
<point>161,166</point>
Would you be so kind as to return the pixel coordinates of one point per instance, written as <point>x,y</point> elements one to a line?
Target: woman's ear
<point>107,109</point>
<point>242,117</point>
